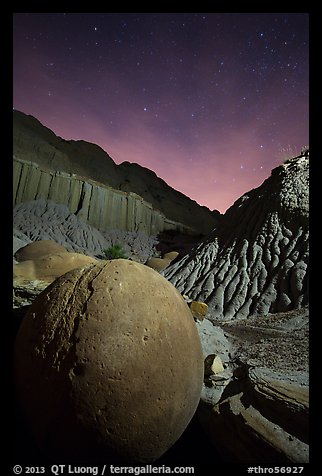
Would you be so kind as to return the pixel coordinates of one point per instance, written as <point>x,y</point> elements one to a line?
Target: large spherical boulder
<point>39,249</point>
<point>108,362</point>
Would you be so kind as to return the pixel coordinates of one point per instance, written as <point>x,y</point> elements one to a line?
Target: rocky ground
<point>260,394</point>
<point>253,407</point>
<point>256,409</point>
<point>278,341</point>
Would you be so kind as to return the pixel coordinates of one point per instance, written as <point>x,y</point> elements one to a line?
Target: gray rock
<point>213,341</point>
<point>256,262</point>
<point>256,411</point>
<point>24,293</point>
<point>261,419</point>
<point>45,220</point>
<point>19,240</point>
<point>138,245</point>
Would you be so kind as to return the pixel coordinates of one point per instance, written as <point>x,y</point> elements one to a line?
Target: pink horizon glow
<point>213,158</point>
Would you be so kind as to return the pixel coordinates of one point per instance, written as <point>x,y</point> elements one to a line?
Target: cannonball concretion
<point>108,363</point>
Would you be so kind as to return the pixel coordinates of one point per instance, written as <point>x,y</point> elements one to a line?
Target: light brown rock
<point>199,309</point>
<point>50,267</point>
<point>217,366</point>
<point>213,365</point>
<point>171,255</point>
<point>158,264</point>
<point>39,249</point>
<point>109,357</point>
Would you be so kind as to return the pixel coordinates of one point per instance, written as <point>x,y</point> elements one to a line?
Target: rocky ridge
<point>89,179</point>
<point>256,262</point>
<point>96,204</point>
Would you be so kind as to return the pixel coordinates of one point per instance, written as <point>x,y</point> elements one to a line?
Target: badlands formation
<point>222,335</point>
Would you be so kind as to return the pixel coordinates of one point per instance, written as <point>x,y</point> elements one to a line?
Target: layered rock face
<point>41,220</point>
<point>98,205</point>
<point>256,262</point>
<point>107,195</point>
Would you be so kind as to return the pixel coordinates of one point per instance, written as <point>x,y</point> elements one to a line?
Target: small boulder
<point>199,310</point>
<point>213,365</point>
<point>217,366</point>
<point>159,264</point>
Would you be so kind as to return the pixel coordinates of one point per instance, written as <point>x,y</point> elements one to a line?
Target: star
<point>216,85</point>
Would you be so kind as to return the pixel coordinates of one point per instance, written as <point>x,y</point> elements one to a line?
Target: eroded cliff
<point>32,142</point>
<point>256,262</point>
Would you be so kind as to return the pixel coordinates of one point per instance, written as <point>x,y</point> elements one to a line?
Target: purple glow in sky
<point>208,101</point>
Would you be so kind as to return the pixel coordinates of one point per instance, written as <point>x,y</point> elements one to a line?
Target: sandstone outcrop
<point>256,262</point>
<point>108,362</point>
<point>83,177</point>
<point>158,264</point>
<point>171,255</point>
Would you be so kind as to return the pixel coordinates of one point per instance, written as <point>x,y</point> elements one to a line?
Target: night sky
<point>208,101</point>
